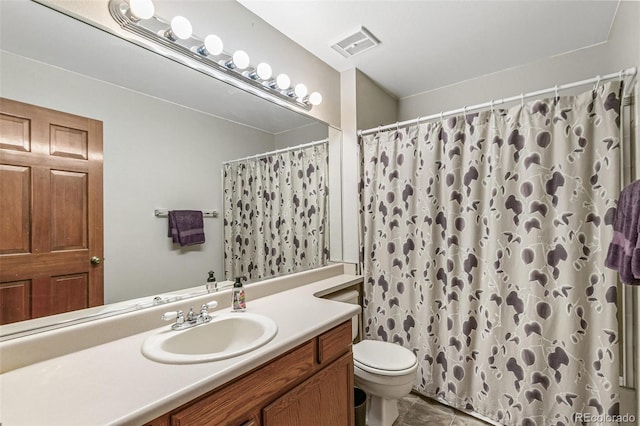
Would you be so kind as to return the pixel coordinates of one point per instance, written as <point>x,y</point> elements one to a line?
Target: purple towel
<point>624,251</point>
<point>186,227</point>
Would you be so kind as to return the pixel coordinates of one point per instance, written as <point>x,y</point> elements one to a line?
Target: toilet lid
<point>383,355</point>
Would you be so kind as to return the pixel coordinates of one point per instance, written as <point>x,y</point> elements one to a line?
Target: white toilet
<point>385,371</point>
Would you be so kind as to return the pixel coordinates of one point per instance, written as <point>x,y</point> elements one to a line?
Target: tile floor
<point>416,410</point>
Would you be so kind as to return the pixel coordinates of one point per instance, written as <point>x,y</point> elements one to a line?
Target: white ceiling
<point>430,44</point>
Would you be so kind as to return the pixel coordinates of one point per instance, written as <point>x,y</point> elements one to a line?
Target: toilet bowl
<point>386,372</point>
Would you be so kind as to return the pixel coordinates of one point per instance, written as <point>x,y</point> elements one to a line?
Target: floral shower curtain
<point>484,238</point>
<point>276,213</point>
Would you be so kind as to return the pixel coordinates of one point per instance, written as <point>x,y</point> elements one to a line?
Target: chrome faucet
<point>192,319</point>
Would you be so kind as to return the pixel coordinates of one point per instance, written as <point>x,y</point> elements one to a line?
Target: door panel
<point>51,204</point>
<point>68,210</point>
<point>15,205</point>
<point>67,142</point>
<point>16,297</point>
<point>60,294</point>
<point>15,133</point>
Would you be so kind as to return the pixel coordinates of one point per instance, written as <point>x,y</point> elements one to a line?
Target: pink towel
<point>186,227</point>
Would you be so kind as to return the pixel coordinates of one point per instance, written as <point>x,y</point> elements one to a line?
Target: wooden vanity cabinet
<point>321,400</point>
<point>311,385</point>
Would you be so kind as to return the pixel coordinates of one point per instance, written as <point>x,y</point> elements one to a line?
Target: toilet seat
<point>383,358</point>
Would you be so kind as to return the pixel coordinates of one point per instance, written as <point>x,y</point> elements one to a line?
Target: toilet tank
<point>348,296</point>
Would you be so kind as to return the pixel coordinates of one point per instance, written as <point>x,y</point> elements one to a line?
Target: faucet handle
<point>204,309</point>
<point>169,316</point>
<point>210,305</point>
<point>173,315</point>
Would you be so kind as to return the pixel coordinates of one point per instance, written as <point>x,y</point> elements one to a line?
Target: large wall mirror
<point>167,130</point>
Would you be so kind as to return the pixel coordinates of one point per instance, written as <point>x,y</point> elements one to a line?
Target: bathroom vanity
<point>311,384</point>
<point>304,375</point>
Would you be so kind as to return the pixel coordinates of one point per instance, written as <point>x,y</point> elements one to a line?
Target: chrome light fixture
<point>138,17</point>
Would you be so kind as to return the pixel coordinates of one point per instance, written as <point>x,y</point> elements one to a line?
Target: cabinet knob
<point>249,423</point>
<point>95,260</point>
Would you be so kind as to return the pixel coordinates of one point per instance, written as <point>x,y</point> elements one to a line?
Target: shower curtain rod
<point>278,151</point>
<point>599,79</point>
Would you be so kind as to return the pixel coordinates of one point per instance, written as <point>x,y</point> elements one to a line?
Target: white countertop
<point>113,383</point>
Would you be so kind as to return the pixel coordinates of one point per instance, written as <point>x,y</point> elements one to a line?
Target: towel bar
<point>165,213</point>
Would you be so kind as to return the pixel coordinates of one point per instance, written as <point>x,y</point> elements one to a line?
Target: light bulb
<point>300,90</point>
<point>283,81</point>
<point>315,98</point>
<point>240,59</point>
<point>264,71</point>
<point>180,28</point>
<point>141,9</point>
<point>212,45</point>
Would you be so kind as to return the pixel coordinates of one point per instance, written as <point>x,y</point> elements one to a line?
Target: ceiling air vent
<point>356,43</point>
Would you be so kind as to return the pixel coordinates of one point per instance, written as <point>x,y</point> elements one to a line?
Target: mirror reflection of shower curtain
<point>276,213</point>
<point>484,238</point>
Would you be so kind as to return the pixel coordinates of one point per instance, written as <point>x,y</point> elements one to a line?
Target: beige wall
<point>311,133</point>
<point>622,50</point>
<point>374,106</point>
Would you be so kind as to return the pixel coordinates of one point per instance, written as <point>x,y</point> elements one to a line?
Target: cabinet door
<point>325,399</point>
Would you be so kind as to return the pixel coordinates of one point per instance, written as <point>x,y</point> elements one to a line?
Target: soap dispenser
<point>238,300</point>
<point>212,285</point>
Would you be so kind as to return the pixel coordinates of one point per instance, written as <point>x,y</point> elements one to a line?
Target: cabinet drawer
<point>235,403</point>
<point>334,342</point>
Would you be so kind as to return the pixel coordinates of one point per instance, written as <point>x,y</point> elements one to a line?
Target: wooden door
<point>325,399</point>
<point>50,212</point>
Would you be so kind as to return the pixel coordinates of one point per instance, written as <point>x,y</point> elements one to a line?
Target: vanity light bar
<point>194,52</point>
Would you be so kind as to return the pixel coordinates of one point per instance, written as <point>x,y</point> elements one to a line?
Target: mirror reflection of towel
<point>186,227</point>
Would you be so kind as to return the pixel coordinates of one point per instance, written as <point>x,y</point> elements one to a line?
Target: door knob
<point>95,260</point>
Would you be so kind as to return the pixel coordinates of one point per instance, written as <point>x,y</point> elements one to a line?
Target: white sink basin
<point>226,336</point>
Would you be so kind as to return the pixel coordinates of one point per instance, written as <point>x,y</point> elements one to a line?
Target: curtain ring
<point>441,116</point>
<point>621,75</point>
<point>493,111</point>
<point>464,111</point>
<point>595,88</point>
<point>397,126</point>
<point>556,91</point>
<point>522,100</point>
